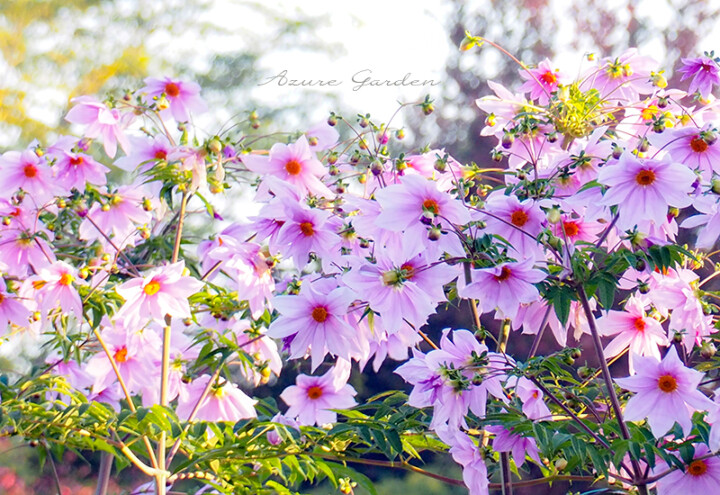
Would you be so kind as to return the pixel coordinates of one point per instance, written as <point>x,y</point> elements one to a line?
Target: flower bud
<point>313,141</point>
<point>376,168</point>
<point>332,120</point>
<point>400,134</point>
<point>434,234</point>
<point>662,102</point>
<point>364,122</point>
<point>616,151</point>
<point>709,137</point>
<point>584,372</point>
<point>496,155</point>
<point>716,186</point>
<point>554,215</point>
<point>507,140</point>
<point>332,158</point>
<point>215,146</point>
<point>561,464</point>
<point>490,120</point>
<point>707,350</point>
<point>644,145</point>
<point>428,108</point>
<point>427,217</point>
<point>677,338</point>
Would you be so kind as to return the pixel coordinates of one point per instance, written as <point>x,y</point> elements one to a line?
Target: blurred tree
<point>52,50</point>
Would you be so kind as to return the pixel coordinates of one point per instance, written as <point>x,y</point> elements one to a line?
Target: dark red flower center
<point>30,171</point>
<point>667,383</point>
<point>571,228</point>
<point>698,145</point>
<point>519,218</point>
<point>293,167</point>
<point>697,468</point>
<point>160,155</point>
<point>645,177</point>
<point>307,229</point>
<point>504,274</point>
<point>172,90</point>
<point>640,324</point>
<point>409,271</point>
<point>319,314</point>
<point>76,160</point>
<point>314,392</point>
<point>548,78</point>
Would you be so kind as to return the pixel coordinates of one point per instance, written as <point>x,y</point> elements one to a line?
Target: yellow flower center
<point>120,355</point>
<point>152,288</point>
<point>66,279</point>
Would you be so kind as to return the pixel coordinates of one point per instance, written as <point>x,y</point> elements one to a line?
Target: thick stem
<point>106,462</point>
<point>607,377</point>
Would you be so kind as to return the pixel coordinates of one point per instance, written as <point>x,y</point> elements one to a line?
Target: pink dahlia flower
<point>101,121</point>
<point>531,396</point>
<point>312,397</point>
<point>634,329</point>
<point>690,146</point>
<point>25,170</point>
<point>224,402</point>
<point>520,446</point>
<point>643,189</point>
<point>466,453</point>
<point>701,476</point>
<point>294,163</point>
<point>704,72</point>
<point>504,286</point>
<point>541,82</point>
<point>665,392</point>
<point>183,97</point>
<point>316,321</point>
<point>163,291</point>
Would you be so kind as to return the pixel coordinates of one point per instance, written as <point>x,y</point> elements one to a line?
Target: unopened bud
<point>496,155</point>
<point>662,102</point>
<point>644,145</point>
<point>332,120</point>
<point>440,165</point>
<point>376,168</point>
<point>561,464</point>
<point>215,146</point>
<point>716,186</point>
<point>554,215</point>
<point>507,140</point>
<point>552,137</point>
<point>332,158</point>
<point>434,234</point>
<point>707,350</point>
